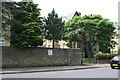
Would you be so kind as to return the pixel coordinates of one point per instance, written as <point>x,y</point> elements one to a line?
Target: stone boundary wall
<point>36,57</point>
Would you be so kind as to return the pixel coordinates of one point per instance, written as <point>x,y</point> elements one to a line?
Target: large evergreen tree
<point>54,27</point>
<point>26,25</point>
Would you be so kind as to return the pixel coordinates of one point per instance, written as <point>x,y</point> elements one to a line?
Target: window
<point>64,45</point>
<point>74,45</point>
<point>2,43</point>
<point>48,46</point>
<point>116,58</point>
<point>94,49</point>
<point>58,46</point>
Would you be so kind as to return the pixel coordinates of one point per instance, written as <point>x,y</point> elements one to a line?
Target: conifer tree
<point>26,25</point>
<point>54,27</point>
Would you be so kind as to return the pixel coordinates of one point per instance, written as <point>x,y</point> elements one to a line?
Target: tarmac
<point>51,68</point>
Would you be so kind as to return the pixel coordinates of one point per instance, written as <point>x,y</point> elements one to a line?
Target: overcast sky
<point>106,8</point>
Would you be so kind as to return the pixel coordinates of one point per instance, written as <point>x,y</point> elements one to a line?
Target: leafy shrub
<point>104,56</point>
<point>85,60</point>
<point>119,51</point>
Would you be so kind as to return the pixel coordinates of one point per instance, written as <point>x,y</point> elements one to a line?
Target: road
<point>86,73</point>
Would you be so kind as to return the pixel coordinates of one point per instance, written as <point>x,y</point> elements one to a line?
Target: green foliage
<point>7,7</point>
<point>26,25</point>
<point>106,30</point>
<point>118,51</point>
<point>118,28</point>
<point>103,56</point>
<point>54,27</point>
<point>85,60</point>
<point>6,12</point>
<point>90,29</point>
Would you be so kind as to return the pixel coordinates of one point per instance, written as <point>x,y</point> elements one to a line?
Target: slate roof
<point>70,16</point>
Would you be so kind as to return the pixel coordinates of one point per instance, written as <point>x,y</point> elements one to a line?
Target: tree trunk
<point>97,47</point>
<point>89,57</point>
<point>85,47</point>
<point>53,43</point>
<point>87,52</point>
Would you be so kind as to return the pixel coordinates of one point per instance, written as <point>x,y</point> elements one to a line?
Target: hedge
<point>104,56</point>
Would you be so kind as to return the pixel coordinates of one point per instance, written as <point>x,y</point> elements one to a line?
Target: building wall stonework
<point>59,44</point>
<point>36,57</point>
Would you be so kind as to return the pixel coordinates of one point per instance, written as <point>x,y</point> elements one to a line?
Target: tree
<point>54,27</point>
<point>90,30</point>
<point>7,8</point>
<point>79,29</point>
<point>104,40</point>
<point>106,30</point>
<point>26,25</point>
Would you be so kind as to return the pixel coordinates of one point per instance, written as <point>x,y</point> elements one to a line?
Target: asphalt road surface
<point>86,73</point>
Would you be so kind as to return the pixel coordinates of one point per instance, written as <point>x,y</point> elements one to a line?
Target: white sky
<point>106,8</point>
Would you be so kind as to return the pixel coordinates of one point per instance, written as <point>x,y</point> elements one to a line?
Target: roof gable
<point>70,16</point>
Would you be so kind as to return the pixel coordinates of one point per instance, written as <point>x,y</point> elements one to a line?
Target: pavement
<point>52,68</point>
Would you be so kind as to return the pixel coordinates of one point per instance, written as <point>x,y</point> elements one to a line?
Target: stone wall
<point>35,57</point>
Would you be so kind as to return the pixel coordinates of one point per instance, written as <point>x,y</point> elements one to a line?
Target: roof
<point>70,16</point>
